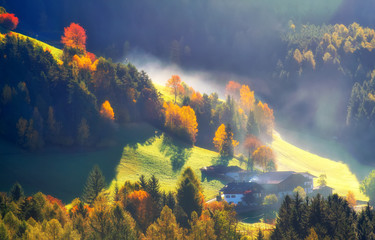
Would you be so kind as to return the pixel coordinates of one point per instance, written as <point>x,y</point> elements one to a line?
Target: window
<point>233,196</point>
<point>227,196</point>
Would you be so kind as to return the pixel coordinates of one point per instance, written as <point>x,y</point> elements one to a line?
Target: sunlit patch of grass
<point>56,53</point>
<point>339,176</point>
<point>166,93</point>
<point>155,157</point>
<point>251,229</point>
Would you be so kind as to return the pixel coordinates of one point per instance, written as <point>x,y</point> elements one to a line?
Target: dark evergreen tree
<point>227,149</point>
<point>94,185</point>
<point>16,192</point>
<point>121,225</point>
<point>188,195</point>
<point>143,183</point>
<point>252,126</point>
<point>154,188</point>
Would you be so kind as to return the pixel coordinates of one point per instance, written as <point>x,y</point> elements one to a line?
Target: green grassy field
<point>56,53</point>
<point>339,176</point>
<point>166,159</point>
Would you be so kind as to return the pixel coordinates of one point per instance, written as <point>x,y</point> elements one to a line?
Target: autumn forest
<point>187,120</point>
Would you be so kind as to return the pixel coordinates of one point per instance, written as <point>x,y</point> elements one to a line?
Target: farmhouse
<point>284,182</point>
<point>247,193</point>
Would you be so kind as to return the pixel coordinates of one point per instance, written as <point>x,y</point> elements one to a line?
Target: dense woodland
<point>139,210</point>
<point>80,100</point>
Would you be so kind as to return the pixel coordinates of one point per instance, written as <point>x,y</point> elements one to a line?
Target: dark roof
<point>241,187</point>
<point>309,174</point>
<point>222,169</point>
<point>272,177</point>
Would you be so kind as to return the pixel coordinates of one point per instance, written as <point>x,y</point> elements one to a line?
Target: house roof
<point>308,174</point>
<point>241,187</point>
<point>221,169</point>
<point>272,177</point>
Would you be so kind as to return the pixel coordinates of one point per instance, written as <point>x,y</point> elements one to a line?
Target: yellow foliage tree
<point>174,84</point>
<point>220,135</point>
<point>264,117</point>
<point>179,119</point>
<point>247,98</point>
<point>106,111</point>
<point>309,56</point>
<point>298,56</point>
<point>84,62</point>
<point>264,158</point>
<point>350,197</point>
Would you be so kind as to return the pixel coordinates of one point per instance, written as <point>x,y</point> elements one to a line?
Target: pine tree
<point>252,126</point>
<point>143,183</point>
<point>16,192</point>
<point>154,188</point>
<point>94,185</point>
<point>4,234</point>
<point>227,149</point>
<point>188,194</point>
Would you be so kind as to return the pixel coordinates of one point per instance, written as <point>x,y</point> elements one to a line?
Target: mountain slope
<point>339,176</point>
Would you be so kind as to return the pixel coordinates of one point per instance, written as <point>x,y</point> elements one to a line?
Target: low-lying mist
<point>312,105</point>
<point>203,81</point>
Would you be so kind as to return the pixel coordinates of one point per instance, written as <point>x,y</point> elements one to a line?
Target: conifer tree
<point>143,183</point>
<point>188,194</point>
<point>227,149</point>
<point>252,126</point>
<point>94,185</point>
<point>154,188</point>
<point>166,227</point>
<point>16,192</point>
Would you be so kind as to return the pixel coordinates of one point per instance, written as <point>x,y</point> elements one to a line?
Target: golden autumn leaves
<point>181,120</point>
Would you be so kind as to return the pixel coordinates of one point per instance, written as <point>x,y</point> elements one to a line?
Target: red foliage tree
<point>74,36</point>
<point>8,21</point>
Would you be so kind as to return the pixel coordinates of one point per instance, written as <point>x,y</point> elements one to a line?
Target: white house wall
<point>233,198</point>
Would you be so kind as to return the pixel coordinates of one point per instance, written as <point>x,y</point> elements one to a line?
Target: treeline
<point>137,210</point>
<point>75,100</point>
<point>320,218</point>
<point>342,57</point>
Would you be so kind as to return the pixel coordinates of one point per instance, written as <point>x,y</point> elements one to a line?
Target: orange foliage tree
<point>233,88</point>
<point>264,158</point>
<point>74,37</point>
<point>106,111</point>
<point>85,62</point>
<point>220,136</point>
<point>181,120</point>
<point>247,99</point>
<point>264,117</point>
<point>174,83</point>
<point>251,144</point>
<point>8,21</point>
<point>140,203</point>
<point>196,100</point>
<point>350,197</point>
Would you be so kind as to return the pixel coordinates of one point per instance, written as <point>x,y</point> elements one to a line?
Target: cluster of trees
<point>319,218</point>
<point>240,121</point>
<point>333,44</point>
<point>138,210</point>
<point>333,55</point>
<point>69,101</point>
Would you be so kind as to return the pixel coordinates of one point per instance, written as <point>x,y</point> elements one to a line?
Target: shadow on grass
<point>178,152</point>
<point>62,172</point>
<point>219,160</point>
